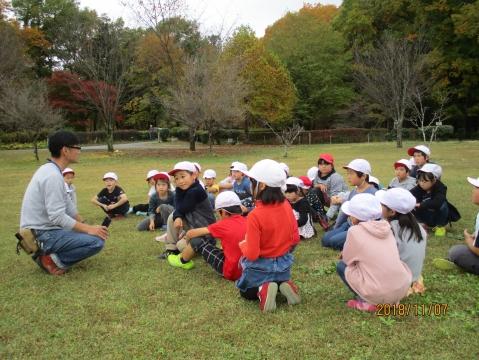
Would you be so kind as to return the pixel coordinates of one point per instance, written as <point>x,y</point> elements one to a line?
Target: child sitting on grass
<point>370,265</point>
<point>318,213</point>
<point>272,232</point>
<point>161,205</point>
<point>420,155</point>
<point>398,204</point>
<point>210,186</point>
<point>112,199</point>
<point>466,256</point>
<point>431,204</point>
<point>301,209</point>
<point>192,209</point>
<point>230,230</point>
<point>142,209</point>
<point>358,172</point>
<point>402,169</point>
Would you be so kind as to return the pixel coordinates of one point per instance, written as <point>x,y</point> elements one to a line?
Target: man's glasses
<point>74,147</point>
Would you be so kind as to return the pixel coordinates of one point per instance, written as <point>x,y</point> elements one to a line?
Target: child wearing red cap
<point>328,183</point>
<point>161,204</point>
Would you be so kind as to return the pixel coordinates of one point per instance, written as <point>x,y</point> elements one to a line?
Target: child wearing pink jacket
<point>370,265</point>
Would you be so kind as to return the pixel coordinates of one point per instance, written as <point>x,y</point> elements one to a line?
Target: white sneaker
<point>161,238</point>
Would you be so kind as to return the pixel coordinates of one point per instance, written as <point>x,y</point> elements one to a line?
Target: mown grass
<point>124,303</point>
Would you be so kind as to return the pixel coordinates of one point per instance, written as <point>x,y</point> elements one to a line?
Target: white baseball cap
<point>151,173</point>
<point>68,171</point>
<point>209,174</point>
<point>239,166</point>
<point>434,169</point>
<point>397,199</point>
<point>473,182</point>
<point>363,207</point>
<point>360,165</point>
<point>312,173</point>
<point>226,199</point>
<point>285,167</point>
<point>110,175</point>
<point>183,166</point>
<point>403,162</point>
<point>269,172</point>
<point>422,148</point>
<point>374,180</point>
<point>197,166</point>
<point>296,181</point>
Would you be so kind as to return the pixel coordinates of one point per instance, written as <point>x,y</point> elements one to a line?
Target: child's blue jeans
<point>337,237</point>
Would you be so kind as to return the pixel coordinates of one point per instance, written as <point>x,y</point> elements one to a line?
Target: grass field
<point>124,303</point>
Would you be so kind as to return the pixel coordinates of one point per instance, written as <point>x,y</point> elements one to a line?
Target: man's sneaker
<point>440,231</point>
<point>267,296</point>
<point>47,264</point>
<point>167,253</point>
<point>444,264</point>
<point>361,305</point>
<point>290,292</point>
<point>175,261</point>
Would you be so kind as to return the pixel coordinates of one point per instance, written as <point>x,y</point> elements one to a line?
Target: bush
<point>164,134</point>
<point>181,133</point>
<point>445,132</point>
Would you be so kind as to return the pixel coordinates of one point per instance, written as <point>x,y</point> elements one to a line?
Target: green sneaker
<point>175,261</point>
<point>440,231</point>
<point>444,264</point>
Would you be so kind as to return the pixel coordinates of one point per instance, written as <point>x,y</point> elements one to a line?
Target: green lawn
<point>124,303</point>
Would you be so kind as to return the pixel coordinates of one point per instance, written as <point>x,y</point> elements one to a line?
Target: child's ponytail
<point>408,221</point>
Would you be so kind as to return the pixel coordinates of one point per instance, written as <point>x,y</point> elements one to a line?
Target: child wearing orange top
<point>272,232</point>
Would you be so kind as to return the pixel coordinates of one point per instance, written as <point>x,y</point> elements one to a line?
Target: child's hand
<point>105,207</point>
<point>335,200</point>
<point>321,187</point>
<point>468,238</point>
<point>157,210</point>
<point>152,225</point>
<point>243,209</point>
<point>188,236</point>
<point>178,224</point>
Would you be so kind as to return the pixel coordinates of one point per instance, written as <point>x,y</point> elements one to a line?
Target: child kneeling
<point>272,232</point>
<point>370,265</point>
<point>230,230</point>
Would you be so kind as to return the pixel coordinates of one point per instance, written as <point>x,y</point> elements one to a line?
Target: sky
<point>217,15</point>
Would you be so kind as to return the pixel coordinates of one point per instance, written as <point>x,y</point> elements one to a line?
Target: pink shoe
<point>361,305</point>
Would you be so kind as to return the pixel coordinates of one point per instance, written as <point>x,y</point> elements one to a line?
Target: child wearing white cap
<point>301,209</point>
<point>398,204</point>
<point>466,257</point>
<point>230,230</point>
<point>112,199</point>
<point>420,155</point>
<point>402,169</point>
<point>432,208</point>
<point>272,233</point>
<point>142,209</point>
<point>192,208</point>
<point>211,187</point>
<point>227,182</point>
<point>358,172</point>
<point>370,265</point>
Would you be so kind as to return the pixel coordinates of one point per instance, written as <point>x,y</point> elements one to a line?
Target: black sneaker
<point>167,253</point>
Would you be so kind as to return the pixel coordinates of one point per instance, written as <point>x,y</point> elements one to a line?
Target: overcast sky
<point>218,14</point>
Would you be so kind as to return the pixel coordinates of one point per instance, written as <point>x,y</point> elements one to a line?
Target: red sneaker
<point>267,296</point>
<point>48,265</point>
<point>361,305</point>
<point>290,292</point>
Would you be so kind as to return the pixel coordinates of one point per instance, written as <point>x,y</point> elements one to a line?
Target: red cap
<point>306,181</point>
<point>326,157</point>
<point>161,176</point>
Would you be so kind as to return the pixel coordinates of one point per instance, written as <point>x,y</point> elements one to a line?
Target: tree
<point>24,107</point>
<point>209,95</point>
<point>389,74</point>
<point>103,61</point>
<point>271,93</point>
<point>314,55</point>
<point>13,62</point>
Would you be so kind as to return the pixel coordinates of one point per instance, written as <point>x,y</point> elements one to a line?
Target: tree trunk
<point>246,128</point>
<point>109,137</point>
<point>35,149</point>
<point>399,133</point>
<point>210,140</point>
<point>192,140</point>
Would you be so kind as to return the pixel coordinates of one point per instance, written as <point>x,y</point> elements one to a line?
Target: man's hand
<point>152,225</point>
<point>97,230</point>
<point>178,224</point>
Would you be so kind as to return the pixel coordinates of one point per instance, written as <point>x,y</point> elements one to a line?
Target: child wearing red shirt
<point>230,230</point>
<point>272,232</point>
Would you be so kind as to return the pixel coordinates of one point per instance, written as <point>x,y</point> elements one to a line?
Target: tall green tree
<point>314,55</point>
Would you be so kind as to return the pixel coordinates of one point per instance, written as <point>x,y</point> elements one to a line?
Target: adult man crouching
<point>62,239</point>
